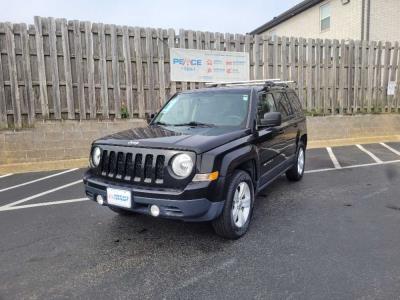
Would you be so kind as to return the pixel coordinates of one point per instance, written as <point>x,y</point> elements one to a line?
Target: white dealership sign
<point>208,65</point>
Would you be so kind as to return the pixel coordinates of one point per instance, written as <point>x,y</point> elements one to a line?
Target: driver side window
<point>266,104</point>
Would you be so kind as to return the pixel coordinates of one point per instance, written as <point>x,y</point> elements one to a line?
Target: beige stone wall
<point>51,141</point>
<point>63,141</point>
<point>345,22</point>
<point>385,20</point>
<point>353,127</point>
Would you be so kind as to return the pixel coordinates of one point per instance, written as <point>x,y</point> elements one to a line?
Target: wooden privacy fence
<point>59,69</point>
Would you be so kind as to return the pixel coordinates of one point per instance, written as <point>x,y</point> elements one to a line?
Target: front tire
<point>296,172</point>
<point>235,218</point>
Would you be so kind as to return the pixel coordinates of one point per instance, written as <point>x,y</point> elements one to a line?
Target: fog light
<point>154,210</point>
<point>100,199</point>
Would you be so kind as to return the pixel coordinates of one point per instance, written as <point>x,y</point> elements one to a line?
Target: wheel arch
<point>245,159</point>
<point>303,138</point>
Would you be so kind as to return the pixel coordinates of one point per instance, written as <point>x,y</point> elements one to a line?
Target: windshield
<point>210,108</point>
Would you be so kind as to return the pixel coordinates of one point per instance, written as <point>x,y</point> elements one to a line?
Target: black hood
<point>197,139</point>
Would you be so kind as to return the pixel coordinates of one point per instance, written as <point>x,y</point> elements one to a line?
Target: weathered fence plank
<point>364,74</point>
<point>30,97</point>
<point>3,106</point>
<point>318,59</point>
<point>301,58</point>
<point>276,57</point>
<point>335,75</point>
<point>191,46</point>
<point>115,72</point>
<point>139,72</point>
<point>325,78</point>
<point>350,78</point>
<point>161,67</point>
<point>377,103</point>
<point>265,57</point>
<point>128,69</point>
<point>90,70</point>
<point>285,56</point>
<point>79,70</point>
<point>357,75</point>
<point>397,92</point>
<point>54,69</point>
<point>12,67</point>
<point>44,102</point>
<point>199,45</point>
<point>67,69</point>
<point>171,44</point>
<point>385,80</point>
<point>182,44</point>
<point>309,77</point>
<point>103,72</point>
<point>393,64</point>
<point>370,80</point>
<point>150,72</point>
<point>256,55</point>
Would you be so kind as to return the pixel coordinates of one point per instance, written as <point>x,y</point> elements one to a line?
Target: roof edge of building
<point>295,10</point>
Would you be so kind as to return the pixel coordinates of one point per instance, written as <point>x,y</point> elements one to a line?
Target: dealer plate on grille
<point>122,198</point>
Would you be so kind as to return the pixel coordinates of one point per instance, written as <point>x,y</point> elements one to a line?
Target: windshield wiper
<point>195,124</point>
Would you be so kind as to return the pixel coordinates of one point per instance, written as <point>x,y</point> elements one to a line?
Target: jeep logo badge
<point>133,143</point>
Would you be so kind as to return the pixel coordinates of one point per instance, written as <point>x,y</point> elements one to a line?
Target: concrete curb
<point>352,141</point>
<point>83,162</point>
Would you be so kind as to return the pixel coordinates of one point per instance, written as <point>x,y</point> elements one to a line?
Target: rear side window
<point>282,105</point>
<point>295,102</point>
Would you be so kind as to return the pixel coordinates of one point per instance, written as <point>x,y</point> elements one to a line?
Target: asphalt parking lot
<point>334,235</point>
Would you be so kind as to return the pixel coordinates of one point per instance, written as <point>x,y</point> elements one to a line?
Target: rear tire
<point>235,218</point>
<point>121,212</point>
<point>295,173</point>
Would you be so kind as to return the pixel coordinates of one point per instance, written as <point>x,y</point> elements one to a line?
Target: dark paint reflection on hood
<point>198,139</point>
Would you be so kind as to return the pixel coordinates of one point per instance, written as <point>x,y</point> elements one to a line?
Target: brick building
<point>338,19</point>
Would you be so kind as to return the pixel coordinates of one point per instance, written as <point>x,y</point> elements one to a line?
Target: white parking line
<point>36,180</point>
<point>373,156</point>
<point>390,148</point>
<point>3,208</point>
<point>333,158</point>
<point>42,194</point>
<point>6,175</point>
<point>354,166</point>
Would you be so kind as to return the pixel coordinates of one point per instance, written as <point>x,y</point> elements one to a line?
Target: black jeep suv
<point>204,156</point>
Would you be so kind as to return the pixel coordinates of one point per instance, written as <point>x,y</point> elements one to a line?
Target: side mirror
<point>150,117</point>
<point>271,119</point>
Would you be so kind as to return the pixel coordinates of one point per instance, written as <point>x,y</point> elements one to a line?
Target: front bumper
<point>190,210</point>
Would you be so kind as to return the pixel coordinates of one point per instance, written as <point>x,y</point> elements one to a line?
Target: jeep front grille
<point>134,167</point>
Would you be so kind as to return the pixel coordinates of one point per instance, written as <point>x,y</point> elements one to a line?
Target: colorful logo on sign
<point>187,62</point>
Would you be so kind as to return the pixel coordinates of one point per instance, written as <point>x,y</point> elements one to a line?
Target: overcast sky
<point>206,15</point>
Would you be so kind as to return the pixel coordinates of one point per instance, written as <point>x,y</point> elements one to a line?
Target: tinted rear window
<point>282,104</point>
<point>294,101</point>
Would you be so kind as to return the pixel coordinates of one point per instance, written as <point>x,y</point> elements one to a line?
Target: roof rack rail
<point>265,82</point>
<point>258,81</point>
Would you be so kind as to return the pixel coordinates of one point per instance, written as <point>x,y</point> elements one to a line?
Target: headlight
<point>96,154</point>
<point>182,165</point>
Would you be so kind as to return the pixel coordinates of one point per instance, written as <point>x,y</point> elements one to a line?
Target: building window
<point>325,16</point>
